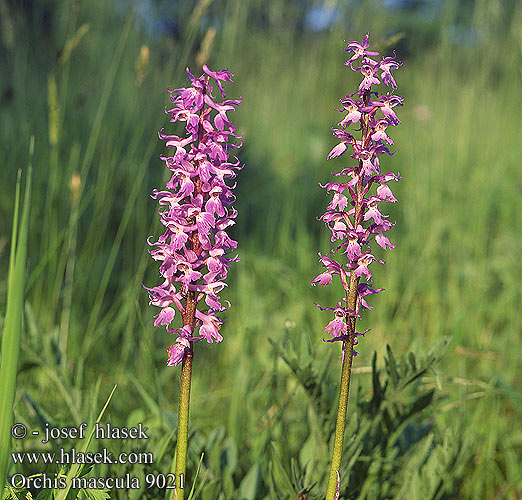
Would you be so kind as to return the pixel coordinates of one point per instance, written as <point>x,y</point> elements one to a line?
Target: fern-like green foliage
<point>392,449</point>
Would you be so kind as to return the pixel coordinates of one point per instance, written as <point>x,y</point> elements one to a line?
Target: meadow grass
<point>12,331</point>
<point>454,274</point>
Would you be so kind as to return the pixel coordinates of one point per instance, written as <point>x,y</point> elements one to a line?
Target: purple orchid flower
<point>386,65</point>
<point>368,71</point>
<point>337,327</point>
<point>354,214</point>
<point>354,115</point>
<point>346,139</point>
<point>386,103</point>
<point>379,130</point>
<point>359,49</point>
<point>196,210</point>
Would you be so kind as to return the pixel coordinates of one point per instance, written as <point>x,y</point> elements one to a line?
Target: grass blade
<point>12,333</point>
<point>75,468</point>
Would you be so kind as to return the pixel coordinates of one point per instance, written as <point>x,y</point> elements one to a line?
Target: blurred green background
<point>89,79</point>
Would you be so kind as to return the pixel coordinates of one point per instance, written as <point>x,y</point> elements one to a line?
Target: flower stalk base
<point>332,492</point>
<point>183,417</point>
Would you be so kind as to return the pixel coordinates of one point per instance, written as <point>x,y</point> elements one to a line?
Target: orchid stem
<point>183,417</point>
<point>341,419</point>
<point>344,390</point>
<point>184,400</point>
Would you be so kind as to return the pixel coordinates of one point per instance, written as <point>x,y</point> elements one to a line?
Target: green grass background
<point>69,77</point>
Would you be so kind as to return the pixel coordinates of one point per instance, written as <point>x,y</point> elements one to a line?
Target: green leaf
<point>248,488</point>
<point>411,360</point>
<point>229,455</point>
<point>193,495</point>
<point>422,402</point>
<point>12,333</point>
<point>97,494</point>
<point>75,469</point>
<point>391,366</point>
<point>45,495</point>
<point>228,484</point>
<point>281,477</point>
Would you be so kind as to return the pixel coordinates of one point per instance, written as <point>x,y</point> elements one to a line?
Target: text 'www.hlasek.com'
<point>83,457</point>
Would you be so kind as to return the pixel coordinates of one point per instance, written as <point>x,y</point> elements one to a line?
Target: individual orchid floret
<point>386,66</point>
<point>359,49</point>
<point>354,115</point>
<point>177,351</point>
<point>196,211</point>
<point>386,103</point>
<point>337,327</point>
<point>332,267</point>
<point>368,71</point>
<point>346,140</point>
<point>222,75</point>
<point>379,130</point>
<point>364,289</point>
<point>361,268</point>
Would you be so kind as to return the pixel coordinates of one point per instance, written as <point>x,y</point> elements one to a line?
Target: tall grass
<point>12,332</point>
<point>454,273</point>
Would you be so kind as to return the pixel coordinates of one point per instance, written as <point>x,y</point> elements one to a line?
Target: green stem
<point>183,416</point>
<point>189,317</point>
<point>344,390</point>
<point>341,419</point>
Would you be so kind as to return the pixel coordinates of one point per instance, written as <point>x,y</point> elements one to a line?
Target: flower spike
<point>195,251</point>
<point>354,216</point>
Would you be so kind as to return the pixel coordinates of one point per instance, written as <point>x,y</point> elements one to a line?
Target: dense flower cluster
<point>195,250</point>
<point>353,216</point>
